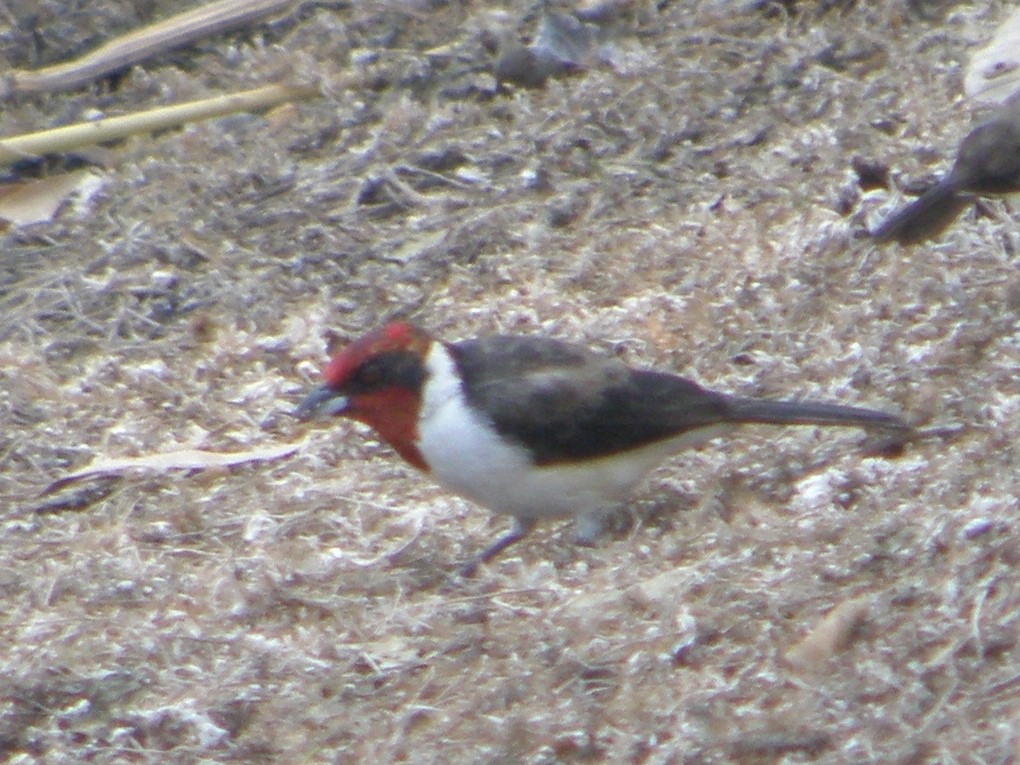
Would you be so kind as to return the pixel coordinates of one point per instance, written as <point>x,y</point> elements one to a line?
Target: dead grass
<point>693,209</point>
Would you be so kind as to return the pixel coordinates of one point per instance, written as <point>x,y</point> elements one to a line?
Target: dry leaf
<point>832,634</point>
<point>181,459</point>
<point>993,73</point>
<point>27,202</point>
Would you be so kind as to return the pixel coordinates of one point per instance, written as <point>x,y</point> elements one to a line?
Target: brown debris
<point>306,609</point>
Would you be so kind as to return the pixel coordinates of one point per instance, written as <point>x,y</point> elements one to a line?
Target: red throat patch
<point>393,413</point>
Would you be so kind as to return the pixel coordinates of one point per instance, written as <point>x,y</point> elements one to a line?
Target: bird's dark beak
<point>322,402</point>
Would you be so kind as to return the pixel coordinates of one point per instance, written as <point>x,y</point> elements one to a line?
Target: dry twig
<point>85,133</point>
<point>144,43</point>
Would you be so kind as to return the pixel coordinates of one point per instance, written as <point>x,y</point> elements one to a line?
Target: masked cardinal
<point>537,428</point>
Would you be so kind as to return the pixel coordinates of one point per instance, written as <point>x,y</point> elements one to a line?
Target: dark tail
<point>925,218</point>
<point>811,413</point>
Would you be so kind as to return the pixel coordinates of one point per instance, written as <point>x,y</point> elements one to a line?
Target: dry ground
<point>693,206</point>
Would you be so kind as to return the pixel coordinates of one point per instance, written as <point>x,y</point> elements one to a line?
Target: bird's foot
<point>521,528</point>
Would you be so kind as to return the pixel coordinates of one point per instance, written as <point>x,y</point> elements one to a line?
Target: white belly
<point>468,457</point>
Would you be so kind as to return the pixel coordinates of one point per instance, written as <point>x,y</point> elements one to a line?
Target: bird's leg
<point>520,530</point>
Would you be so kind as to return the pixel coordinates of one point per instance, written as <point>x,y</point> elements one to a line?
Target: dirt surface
<point>694,199</point>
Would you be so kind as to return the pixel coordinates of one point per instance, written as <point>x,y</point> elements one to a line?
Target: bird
<point>988,162</point>
<point>535,427</point>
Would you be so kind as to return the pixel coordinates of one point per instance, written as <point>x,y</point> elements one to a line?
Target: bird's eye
<point>397,368</point>
<point>370,375</point>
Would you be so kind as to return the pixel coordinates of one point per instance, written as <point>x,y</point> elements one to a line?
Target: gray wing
<point>566,403</point>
